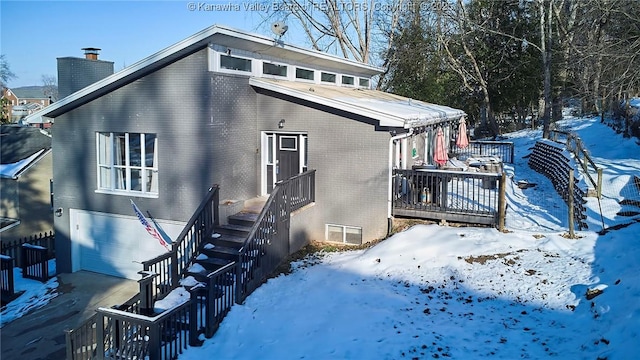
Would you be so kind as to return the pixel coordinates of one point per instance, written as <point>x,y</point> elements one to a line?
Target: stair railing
<point>170,266</point>
<point>268,241</point>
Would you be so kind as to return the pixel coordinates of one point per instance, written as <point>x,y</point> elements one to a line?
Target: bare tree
<point>546,15</point>
<point>5,73</point>
<point>457,33</point>
<point>50,87</point>
<point>361,30</point>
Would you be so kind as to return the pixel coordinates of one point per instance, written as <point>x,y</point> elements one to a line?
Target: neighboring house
<point>225,107</point>
<point>24,101</point>
<point>25,182</point>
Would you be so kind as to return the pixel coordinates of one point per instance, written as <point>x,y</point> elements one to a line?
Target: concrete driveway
<point>40,334</point>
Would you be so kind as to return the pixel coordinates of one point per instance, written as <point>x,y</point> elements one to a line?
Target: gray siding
<point>351,159</point>
<point>206,135</point>
<point>77,73</point>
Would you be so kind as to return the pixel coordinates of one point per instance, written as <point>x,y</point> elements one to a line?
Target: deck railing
<point>268,242</point>
<point>170,267</point>
<point>129,335</point>
<point>81,341</point>
<point>470,197</point>
<point>7,284</point>
<point>218,296</point>
<point>501,149</point>
<point>12,248</point>
<point>133,336</point>
<point>35,262</point>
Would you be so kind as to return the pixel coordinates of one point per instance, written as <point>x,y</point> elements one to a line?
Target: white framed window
<point>289,143</point>
<point>305,74</point>
<point>127,163</point>
<point>363,83</point>
<point>235,63</point>
<point>347,80</point>
<point>343,234</point>
<point>326,77</point>
<point>274,69</point>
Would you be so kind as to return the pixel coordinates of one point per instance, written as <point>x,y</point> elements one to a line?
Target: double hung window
<point>127,162</point>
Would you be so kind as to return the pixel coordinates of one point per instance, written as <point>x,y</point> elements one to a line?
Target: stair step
<point>228,240</point>
<point>221,252</point>
<point>212,263</point>
<point>231,229</point>
<point>243,219</point>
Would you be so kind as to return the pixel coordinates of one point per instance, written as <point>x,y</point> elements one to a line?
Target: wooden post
<point>70,350</point>
<point>173,283</point>
<point>502,203</point>
<point>193,318</point>
<point>512,153</point>
<point>100,335</point>
<point>570,204</point>
<point>599,185</point>
<point>239,281</point>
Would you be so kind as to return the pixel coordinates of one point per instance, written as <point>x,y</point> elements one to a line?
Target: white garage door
<point>113,244</point>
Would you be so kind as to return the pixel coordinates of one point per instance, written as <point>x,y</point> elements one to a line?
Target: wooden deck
<point>459,196</point>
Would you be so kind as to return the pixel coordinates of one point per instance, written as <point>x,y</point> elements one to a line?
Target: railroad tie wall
<point>555,162</point>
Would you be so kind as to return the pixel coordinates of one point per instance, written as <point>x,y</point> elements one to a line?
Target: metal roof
<point>389,109</point>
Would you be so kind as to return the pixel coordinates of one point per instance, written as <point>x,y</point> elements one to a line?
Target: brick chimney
<point>91,53</point>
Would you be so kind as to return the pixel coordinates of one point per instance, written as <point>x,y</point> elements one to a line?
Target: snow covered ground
<point>463,292</point>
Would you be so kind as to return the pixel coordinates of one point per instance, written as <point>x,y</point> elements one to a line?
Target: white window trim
<point>315,75</point>
<point>344,232</point>
<point>257,61</point>
<point>341,76</point>
<point>337,77</point>
<point>295,137</point>
<point>270,76</point>
<point>143,168</point>
<point>362,86</point>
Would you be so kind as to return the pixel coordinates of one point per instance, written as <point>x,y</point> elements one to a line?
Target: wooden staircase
<point>218,265</point>
<point>223,246</point>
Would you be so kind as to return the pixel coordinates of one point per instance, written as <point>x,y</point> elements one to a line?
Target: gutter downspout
<point>390,190</point>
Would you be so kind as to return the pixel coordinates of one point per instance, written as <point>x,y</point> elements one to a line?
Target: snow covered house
<point>232,108</point>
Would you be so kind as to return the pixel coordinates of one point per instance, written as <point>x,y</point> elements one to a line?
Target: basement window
<point>344,234</point>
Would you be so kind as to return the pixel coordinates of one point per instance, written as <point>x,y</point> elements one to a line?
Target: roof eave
<point>383,119</point>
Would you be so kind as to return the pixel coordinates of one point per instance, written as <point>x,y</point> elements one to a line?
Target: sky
<point>34,33</point>
<point>453,292</point>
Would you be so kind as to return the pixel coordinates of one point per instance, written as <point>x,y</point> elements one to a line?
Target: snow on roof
<point>389,109</point>
<point>13,169</point>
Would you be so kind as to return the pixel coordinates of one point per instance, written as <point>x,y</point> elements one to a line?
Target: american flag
<point>150,229</point>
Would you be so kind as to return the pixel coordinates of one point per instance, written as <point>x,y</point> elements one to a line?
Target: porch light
<point>281,124</point>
